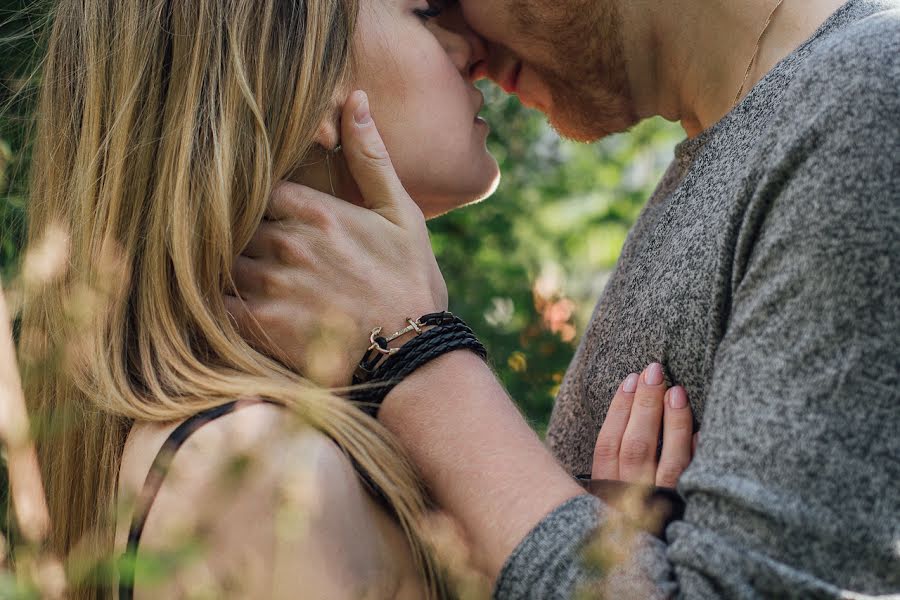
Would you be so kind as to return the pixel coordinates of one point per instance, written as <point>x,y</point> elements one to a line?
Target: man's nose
<point>499,65</point>
<point>478,55</point>
<point>467,49</point>
<point>467,53</point>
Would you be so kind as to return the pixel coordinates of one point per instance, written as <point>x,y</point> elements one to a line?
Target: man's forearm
<point>478,456</point>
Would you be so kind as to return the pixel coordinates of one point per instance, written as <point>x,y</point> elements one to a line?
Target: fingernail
<point>677,398</point>
<point>629,386</point>
<point>653,375</point>
<point>362,115</point>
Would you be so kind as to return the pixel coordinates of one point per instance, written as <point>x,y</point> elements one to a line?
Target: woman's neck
<point>327,172</point>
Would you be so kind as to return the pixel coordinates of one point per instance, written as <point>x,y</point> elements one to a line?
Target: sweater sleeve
<point>547,564</point>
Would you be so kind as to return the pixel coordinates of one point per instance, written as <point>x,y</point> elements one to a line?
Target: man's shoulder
<point>857,62</point>
<point>843,94</point>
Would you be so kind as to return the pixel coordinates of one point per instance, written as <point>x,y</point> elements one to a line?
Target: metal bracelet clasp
<point>413,326</point>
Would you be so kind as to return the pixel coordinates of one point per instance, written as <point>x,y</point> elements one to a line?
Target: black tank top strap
<point>154,481</point>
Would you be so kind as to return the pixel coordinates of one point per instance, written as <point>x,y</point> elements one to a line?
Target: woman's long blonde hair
<point>161,128</point>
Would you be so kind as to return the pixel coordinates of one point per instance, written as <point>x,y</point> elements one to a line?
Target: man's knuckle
<point>289,250</point>
<point>286,197</point>
<point>265,316</point>
<point>271,282</point>
<point>317,215</point>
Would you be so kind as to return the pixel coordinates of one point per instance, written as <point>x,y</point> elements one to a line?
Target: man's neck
<point>700,51</point>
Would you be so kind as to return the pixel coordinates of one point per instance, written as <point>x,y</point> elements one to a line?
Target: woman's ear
<point>328,135</point>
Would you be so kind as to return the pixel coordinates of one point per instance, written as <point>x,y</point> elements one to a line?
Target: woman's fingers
<point>637,457</point>
<point>609,441</point>
<point>678,428</point>
<point>626,448</point>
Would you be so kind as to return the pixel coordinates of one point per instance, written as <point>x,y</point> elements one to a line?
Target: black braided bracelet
<point>449,335</point>
<point>423,343</point>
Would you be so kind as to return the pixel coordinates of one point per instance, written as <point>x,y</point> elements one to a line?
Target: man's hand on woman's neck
<point>699,51</point>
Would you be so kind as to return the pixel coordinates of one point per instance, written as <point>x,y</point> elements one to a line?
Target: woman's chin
<point>442,204</point>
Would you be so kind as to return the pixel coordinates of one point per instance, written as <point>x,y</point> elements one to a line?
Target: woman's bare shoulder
<point>271,499</point>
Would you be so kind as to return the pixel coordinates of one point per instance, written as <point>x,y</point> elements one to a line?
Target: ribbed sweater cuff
<point>546,564</point>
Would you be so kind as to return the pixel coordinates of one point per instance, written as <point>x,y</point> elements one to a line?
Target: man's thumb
<point>369,161</point>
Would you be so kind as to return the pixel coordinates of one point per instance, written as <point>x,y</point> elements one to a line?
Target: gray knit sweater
<point>764,273</point>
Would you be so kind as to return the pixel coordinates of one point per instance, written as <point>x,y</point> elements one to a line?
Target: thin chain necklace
<point>756,53</point>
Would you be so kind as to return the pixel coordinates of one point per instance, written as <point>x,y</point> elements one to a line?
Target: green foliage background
<point>17,54</point>
<point>557,223</point>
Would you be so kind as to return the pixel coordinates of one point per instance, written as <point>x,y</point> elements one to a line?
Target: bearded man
<point>762,273</point>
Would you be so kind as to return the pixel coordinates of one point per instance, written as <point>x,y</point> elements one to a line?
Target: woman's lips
<point>479,106</point>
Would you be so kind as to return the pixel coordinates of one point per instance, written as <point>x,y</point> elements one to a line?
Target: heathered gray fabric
<point>764,273</point>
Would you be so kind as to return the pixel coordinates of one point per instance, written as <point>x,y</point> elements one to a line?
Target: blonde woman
<point>162,129</point>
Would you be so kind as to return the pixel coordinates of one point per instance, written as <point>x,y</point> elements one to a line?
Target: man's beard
<point>584,68</point>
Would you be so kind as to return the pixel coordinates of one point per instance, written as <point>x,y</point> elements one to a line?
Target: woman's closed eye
<point>433,10</point>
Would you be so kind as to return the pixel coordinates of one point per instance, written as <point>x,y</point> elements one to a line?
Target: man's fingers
<point>637,458</point>
<point>251,321</point>
<point>369,162</point>
<point>241,313</point>
<point>283,242</point>
<point>260,245</point>
<point>298,203</point>
<point>609,441</point>
<point>291,201</point>
<point>678,426</point>
<point>250,278</point>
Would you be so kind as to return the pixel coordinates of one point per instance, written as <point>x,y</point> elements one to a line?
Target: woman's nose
<point>478,54</point>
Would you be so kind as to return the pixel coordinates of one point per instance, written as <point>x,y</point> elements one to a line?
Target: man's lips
<point>510,83</point>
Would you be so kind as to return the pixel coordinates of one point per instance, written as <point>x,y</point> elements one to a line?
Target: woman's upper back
<point>256,505</point>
